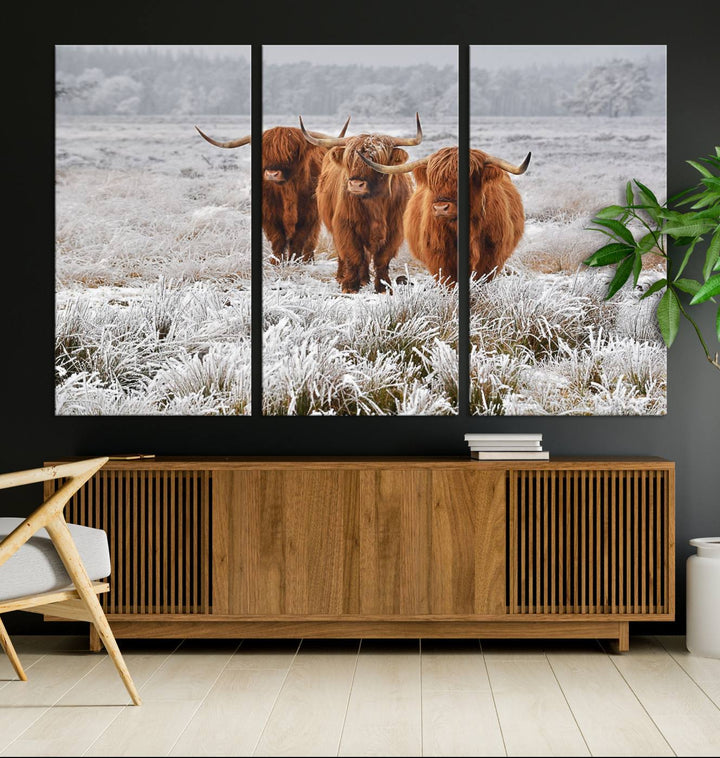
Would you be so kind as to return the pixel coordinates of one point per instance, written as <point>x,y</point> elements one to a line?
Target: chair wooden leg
<point>70,557</point>
<point>7,646</point>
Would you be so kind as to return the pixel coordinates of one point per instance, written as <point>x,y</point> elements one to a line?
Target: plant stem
<point>714,361</point>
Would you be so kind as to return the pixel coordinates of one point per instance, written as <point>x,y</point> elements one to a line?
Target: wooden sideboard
<point>384,547</point>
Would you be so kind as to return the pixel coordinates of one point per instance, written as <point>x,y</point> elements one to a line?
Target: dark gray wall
<point>689,434</point>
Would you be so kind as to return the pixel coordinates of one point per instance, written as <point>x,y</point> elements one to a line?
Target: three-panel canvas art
<point>359,215</point>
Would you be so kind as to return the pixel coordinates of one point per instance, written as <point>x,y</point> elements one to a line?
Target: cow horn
<point>416,140</point>
<point>344,129</point>
<point>324,141</point>
<point>234,143</point>
<point>403,168</point>
<point>505,166</point>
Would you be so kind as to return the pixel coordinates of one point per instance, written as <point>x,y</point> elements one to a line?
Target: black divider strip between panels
<point>463,230</point>
<point>463,205</point>
<point>256,232</point>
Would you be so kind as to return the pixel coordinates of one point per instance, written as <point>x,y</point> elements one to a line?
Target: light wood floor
<point>347,697</point>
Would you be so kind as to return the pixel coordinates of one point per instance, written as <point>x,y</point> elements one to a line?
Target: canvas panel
<point>356,322</point>
<point>544,341</point>
<point>153,230</point>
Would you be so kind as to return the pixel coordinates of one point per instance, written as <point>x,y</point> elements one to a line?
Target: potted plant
<point>653,222</point>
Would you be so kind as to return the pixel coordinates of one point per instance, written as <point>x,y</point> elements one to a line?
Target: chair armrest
<point>64,470</point>
<point>77,473</point>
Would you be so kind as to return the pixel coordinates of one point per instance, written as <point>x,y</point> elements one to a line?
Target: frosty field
<point>153,284</point>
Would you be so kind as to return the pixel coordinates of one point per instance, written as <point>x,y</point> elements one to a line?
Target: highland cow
<point>497,218</point>
<point>362,209</point>
<point>291,167</point>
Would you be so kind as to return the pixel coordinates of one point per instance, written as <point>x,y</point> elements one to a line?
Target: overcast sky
<point>481,56</point>
<point>504,56</point>
<point>369,55</point>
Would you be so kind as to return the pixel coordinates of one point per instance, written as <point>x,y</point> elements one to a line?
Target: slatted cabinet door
<point>589,541</point>
<point>366,542</point>
<point>158,523</point>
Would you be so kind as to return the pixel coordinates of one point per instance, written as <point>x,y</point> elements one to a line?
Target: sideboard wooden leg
<point>622,643</point>
<point>95,644</point>
<point>624,638</point>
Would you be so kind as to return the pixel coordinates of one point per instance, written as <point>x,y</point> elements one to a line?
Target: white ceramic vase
<point>703,598</point>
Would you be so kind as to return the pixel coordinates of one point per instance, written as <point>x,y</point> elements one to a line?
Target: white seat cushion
<point>36,567</point>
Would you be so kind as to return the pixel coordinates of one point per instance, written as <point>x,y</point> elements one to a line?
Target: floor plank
<point>103,685</point>
<point>460,722</point>
<point>49,678</point>
<point>533,714</point>
<point>264,654</point>
<point>705,672</point>
<point>309,714</point>
<point>79,718</point>
<point>171,697</point>
<point>384,712</point>
<point>233,715</point>
<point>150,729</point>
<point>64,731</point>
<point>7,672</point>
<point>190,672</point>
<point>610,717</point>
<point>453,665</point>
<point>685,715</point>
<point>458,710</point>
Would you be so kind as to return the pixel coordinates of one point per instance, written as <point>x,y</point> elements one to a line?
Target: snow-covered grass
<point>326,353</point>
<point>153,284</point>
<point>563,350</point>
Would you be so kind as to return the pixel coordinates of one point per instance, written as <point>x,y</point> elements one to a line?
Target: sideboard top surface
<point>378,462</point>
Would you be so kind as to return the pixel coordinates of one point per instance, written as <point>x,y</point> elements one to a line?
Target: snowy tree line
<point>111,81</point>
<point>151,81</point>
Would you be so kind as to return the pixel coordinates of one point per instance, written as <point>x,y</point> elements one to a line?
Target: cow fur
<point>290,217</point>
<point>365,228</point>
<point>497,217</point>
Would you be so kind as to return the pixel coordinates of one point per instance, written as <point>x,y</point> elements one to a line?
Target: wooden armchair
<point>48,566</point>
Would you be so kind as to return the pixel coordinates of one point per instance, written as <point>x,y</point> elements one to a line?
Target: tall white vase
<point>703,598</point>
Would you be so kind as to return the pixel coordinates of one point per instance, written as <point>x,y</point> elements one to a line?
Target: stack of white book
<point>504,447</point>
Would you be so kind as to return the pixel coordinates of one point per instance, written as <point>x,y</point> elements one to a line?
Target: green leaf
<point>608,254</point>
<point>683,241</point>
<point>712,182</point>
<point>685,260</point>
<point>622,274</point>
<point>652,206</point>
<point>674,199</point>
<point>647,195</point>
<point>629,197</point>
<point>658,285</point>
<point>668,317</point>
<point>708,290</point>
<point>691,229</point>
<point>637,267</point>
<point>648,242</point>
<point>699,167</point>
<point>611,211</point>
<point>687,285</point>
<point>717,325</point>
<point>712,257</point>
<point>706,198</point>
<point>709,214</point>
<point>620,230</point>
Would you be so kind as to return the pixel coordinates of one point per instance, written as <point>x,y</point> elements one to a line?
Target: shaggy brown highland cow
<point>291,167</point>
<point>497,218</point>
<point>362,209</point>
